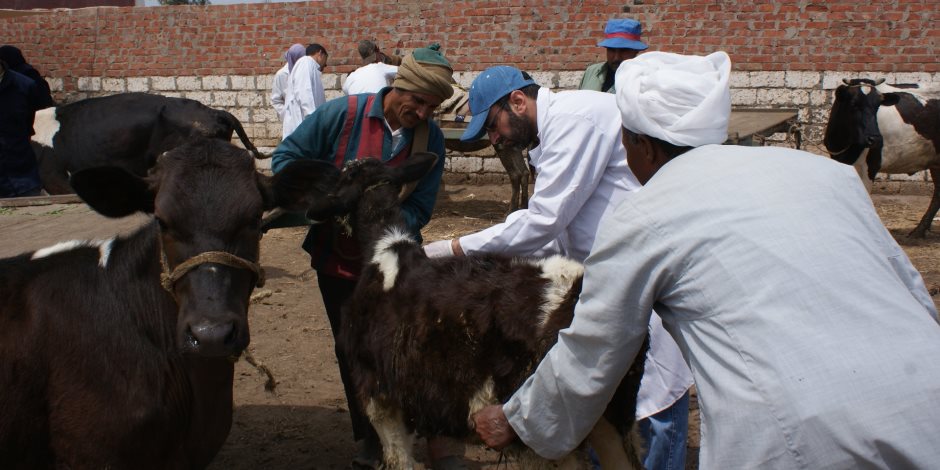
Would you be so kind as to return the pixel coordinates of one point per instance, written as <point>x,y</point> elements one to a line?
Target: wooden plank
<point>40,200</point>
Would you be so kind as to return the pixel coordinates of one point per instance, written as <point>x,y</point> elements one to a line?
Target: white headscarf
<point>680,99</point>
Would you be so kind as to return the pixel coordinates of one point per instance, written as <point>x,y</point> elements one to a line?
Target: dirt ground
<point>303,424</point>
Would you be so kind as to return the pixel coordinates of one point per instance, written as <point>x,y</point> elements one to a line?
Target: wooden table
<point>753,126</point>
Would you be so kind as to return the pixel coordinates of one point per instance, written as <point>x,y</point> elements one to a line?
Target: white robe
<point>582,175</point>
<point>812,338</point>
<point>369,78</point>
<point>279,91</point>
<point>304,93</point>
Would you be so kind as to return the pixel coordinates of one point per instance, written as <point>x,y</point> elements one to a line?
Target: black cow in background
<point>891,129</point>
<point>127,130</point>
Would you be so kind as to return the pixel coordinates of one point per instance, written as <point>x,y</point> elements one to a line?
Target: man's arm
<point>277,93</point>
<point>575,157</point>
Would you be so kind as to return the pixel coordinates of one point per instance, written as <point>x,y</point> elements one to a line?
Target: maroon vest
<point>335,253</point>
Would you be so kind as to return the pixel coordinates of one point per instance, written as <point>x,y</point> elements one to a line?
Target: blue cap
<point>491,85</point>
<point>623,34</point>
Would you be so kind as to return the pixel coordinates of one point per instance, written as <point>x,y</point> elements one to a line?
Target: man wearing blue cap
<point>622,40</point>
<point>574,144</point>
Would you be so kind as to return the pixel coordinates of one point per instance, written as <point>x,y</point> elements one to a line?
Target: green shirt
<point>594,77</point>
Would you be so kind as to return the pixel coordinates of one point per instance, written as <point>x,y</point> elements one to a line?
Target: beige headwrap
<point>426,71</point>
<point>680,99</point>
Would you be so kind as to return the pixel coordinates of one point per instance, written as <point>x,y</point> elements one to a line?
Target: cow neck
<point>378,212</point>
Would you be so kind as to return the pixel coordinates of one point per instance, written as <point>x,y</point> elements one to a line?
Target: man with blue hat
<point>622,40</point>
<point>574,145</point>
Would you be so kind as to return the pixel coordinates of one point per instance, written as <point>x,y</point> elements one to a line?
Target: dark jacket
<point>16,62</point>
<point>19,100</point>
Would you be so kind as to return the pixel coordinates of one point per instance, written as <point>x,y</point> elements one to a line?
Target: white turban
<point>680,99</point>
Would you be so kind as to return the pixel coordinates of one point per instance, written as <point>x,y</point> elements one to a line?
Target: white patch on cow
<point>483,397</point>
<point>46,126</point>
<point>104,249</point>
<point>861,167</point>
<point>904,151</point>
<point>397,442</point>
<point>561,273</point>
<point>386,258</point>
<point>104,252</point>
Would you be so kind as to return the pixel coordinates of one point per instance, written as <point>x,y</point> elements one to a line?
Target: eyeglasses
<point>490,125</point>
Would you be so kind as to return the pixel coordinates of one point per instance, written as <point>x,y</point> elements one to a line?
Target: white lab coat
<point>279,91</point>
<point>369,78</point>
<point>304,93</point>
<point>812,338</point>
<point>582,176</point>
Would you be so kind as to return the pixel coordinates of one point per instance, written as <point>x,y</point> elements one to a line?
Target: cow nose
<point>213,339</point>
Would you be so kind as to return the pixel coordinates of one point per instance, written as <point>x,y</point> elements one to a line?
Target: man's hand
<point>493,427</point>
<point>443,248</point>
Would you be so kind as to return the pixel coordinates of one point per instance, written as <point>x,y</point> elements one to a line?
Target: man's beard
<point>523,134</point>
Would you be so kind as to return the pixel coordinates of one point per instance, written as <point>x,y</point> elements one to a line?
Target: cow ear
<point>890,99</point>
<point>266,187</point>
<point>415,167</point>
<point>303,182</point>
<point>113,192</point>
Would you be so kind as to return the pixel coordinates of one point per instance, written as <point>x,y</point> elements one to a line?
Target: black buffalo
<point>126,130</point>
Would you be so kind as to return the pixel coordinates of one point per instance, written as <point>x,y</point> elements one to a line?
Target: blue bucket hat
<point>491,85</point>
<point>623,34</point>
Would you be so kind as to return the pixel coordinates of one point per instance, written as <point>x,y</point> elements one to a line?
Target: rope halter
<point>168,279</point>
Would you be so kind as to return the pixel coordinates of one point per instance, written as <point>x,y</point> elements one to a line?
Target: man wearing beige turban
<point>389,125</point>
<point>753,257</point>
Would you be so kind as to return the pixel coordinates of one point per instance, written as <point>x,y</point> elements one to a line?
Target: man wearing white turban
<point>753,258</point>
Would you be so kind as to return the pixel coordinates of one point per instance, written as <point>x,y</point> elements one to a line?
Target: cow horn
<point>846,81</point>
<point>879,81</point>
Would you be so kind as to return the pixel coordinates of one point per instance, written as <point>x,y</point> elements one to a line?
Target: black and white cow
<point>126,130</point>
<point>118,353</point>
<point>891,129</point>
<point>431,341</point>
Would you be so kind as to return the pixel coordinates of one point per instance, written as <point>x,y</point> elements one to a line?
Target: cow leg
<point>397,442</point>
<point>614,450</point>
<point>513,161</point>
<point>524,203</point>
<point>921,230</point>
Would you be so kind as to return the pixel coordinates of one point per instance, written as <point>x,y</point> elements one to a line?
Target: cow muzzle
<point>214,338</point>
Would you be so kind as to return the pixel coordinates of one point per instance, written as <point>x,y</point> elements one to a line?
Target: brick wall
<point>785,54</point>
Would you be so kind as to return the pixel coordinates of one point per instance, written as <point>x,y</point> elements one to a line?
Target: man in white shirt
<point>812,338</point>
<point>304,88</point>
<point>279,85</point>
<point>377,73</point>
<point>574,142</point>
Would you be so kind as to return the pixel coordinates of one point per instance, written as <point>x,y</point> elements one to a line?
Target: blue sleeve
<point>417,208</point>
<point>316,138</point>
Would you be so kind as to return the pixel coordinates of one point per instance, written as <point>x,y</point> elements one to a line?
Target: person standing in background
<point>377,73</point>
<point>304,88</point>
<point>279,87</point>
<point>19,99</point>
<point>622,41</point>
<point>17,63</point>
